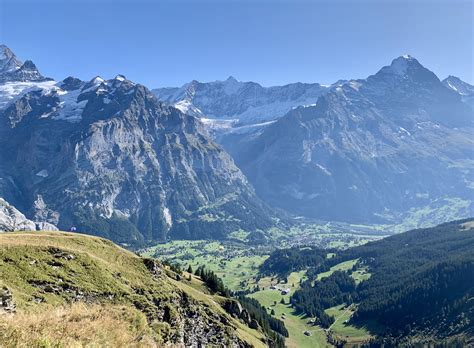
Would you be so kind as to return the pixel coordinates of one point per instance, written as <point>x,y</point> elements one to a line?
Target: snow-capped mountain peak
<point>400,65</point>
<point>13,69</point>
<point>239,103</point>
<point>406,68</point>
<point>8,60</point>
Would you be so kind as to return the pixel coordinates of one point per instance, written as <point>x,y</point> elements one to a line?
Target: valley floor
<point>237,265</point>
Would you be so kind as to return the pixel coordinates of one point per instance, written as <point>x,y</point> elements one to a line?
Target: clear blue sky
<point>168,43</point>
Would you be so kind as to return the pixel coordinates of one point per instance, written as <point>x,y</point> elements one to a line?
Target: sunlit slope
<point>132,300</point>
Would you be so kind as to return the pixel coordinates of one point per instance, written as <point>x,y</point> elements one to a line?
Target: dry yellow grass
<point>78,325</point>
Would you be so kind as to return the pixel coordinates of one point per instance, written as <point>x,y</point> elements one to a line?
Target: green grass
<point>298,324</point>
<point>239,235</point>
<point>343,266</point>
<point>235,264</point>
<point>295,324</point>
<point>343,328</point>
<point>361,274</point>
<point>106,274</point>
<point>435,212</point>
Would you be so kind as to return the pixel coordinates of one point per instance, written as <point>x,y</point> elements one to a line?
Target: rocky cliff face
<point>13,220</point>
<point>369,150</point>
<point>106,157</point>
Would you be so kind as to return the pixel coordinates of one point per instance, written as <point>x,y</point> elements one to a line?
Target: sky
<point>168,43</point>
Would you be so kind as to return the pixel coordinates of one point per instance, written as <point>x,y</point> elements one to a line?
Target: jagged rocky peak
<point>8,60</point>
<point>12,68</point>
<point>71,83</point>
<point>458,85</point>
<point>407,68</point>
<point>464,89</point>
<point>401,64</point>
<point>72,100</point>
<point>233,106</point>
<point>17,78</point>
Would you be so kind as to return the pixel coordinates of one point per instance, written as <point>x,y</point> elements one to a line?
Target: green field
<point>341,327</point>
<point>360,274</point>
<point>343,266</point>
<point>296,324</point>
<point>237,265</point>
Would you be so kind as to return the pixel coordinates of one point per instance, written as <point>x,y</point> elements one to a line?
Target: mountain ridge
<point>361,138</point>
<point>105,156</point>
<point>234,106</point>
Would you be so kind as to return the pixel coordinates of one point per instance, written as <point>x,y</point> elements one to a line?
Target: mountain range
<point>110,157</point>
<point>106,157</point>
<point>367,150</point>
<point>234,107</point>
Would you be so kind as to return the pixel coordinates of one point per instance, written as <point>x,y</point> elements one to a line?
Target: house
<point>285,291</point>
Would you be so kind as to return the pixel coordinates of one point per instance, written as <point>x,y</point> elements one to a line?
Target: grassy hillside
<point>72,290</point>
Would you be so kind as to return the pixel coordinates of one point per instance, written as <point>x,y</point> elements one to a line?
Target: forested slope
<point>421,284</point>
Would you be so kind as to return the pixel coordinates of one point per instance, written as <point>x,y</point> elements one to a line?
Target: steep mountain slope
<point>103,296</point>
<point>13,220</point>
<point>106,156</point>
<point>232,106</point>
<point>464,89</point>
<point>369,150</point>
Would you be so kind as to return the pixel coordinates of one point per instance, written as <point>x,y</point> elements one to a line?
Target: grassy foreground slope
<point>63,289</point>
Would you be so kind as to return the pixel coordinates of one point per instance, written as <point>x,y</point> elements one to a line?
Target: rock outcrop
<point>13,220</point>
<point>6,301</point>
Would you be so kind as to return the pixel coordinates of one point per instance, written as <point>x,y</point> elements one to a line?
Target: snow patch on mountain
<point>70,108</point>
<point>240,104</point>
<point>187,107</point>
<point>11,91</point>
